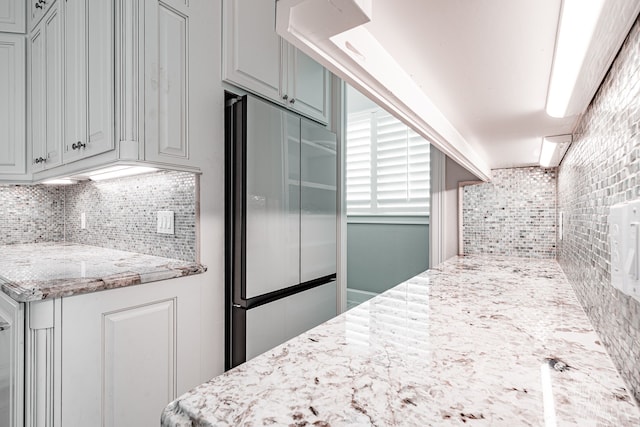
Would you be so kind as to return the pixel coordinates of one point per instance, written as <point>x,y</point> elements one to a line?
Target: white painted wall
<point>454,173</point>
<point>206,135</point>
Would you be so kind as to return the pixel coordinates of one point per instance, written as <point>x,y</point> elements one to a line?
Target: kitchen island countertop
<point>36,271</point>
<point>480,341</point>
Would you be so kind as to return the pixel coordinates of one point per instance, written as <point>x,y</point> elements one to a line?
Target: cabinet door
<point>12,16</point>
<point>37,98</point>
<point>252,51</point>
<point>53,86</point>
<point>308,85</point>
<point>128,352</point>
<point>88,68</point>
<point>167,60</point>
<point>318,166</point>
<point>46,91</point>
<point>11,362</point>
<point>12,105</point>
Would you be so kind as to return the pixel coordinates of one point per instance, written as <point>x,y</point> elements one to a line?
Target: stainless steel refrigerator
<point>280,226</point>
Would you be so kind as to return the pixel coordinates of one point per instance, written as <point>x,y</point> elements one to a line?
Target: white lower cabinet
<point>112,358</point>
<point>11,362</point>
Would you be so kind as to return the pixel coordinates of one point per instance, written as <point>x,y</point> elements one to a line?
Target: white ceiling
<point>484,63</point>
<point>470,75</point>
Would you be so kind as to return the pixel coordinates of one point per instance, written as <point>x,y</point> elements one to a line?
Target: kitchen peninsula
<point>478,340</point>
<point>91,333</point>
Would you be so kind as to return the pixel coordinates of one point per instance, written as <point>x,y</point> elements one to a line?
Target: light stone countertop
<point>31,272</point>
<point>481,341</point>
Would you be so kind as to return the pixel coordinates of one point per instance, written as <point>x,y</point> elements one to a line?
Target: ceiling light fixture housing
<point>118,172</point>
<point>60,181</point>
<point>553,150</point>
<point>589,36</point>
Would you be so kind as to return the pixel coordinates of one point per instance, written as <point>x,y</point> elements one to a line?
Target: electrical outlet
<point>560,225</point>
<point>83,221</point>
<point>165,224</point>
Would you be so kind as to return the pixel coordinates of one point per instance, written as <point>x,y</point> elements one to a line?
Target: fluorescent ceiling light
<point>118,172</point>
<point>553,150</point>
<point>60,181</point>
<point>576,30</point>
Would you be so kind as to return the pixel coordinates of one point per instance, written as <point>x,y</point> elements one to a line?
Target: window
<point>387,166</point>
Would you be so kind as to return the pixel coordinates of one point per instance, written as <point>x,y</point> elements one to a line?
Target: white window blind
<point>387,166</point>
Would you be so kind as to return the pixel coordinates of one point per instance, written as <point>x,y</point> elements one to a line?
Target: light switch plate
<point>624,246</point>
<point>617,243</point>
<point>165,224</point>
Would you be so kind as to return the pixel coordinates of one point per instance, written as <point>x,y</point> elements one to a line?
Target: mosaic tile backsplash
<point>513,215</point>
<point>31,214</point>
<point>120,214</point>
<point>601,169</point>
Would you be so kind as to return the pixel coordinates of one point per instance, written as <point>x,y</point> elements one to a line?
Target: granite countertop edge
<point>41,288</point>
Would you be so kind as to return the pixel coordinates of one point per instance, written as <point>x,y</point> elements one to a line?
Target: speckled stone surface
<point>483,341</point>
<point>30,272</point>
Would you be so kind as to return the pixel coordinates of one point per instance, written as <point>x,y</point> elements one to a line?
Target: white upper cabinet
<point>167,70</point>
<point>45,88</point>
<point>307,85</point>
<point>252,53</point>
<point>12,105</point>
<point>12,16</point>
<point>255,58</point>
<point>88,73</point>
<point>36,9</point>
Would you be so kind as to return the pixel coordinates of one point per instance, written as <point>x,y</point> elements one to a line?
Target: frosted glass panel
<point>273,199</point>
<point>318,202</point>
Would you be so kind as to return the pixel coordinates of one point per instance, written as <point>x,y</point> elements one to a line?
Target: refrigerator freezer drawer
<point>274,323</point>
